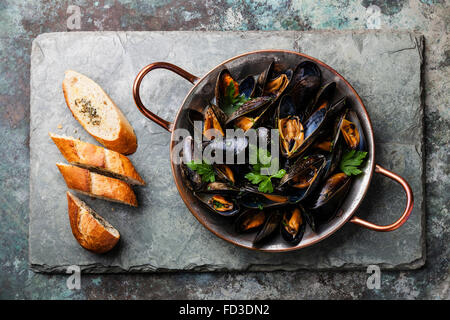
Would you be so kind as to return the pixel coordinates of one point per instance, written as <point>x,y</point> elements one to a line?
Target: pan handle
<point>406,213</point>
<point>137,84</point>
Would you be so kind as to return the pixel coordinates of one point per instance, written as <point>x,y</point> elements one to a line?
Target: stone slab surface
<point>162,235</point>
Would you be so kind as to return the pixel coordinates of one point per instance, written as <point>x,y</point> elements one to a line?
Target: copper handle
<point>406,213</point>
<point>137,84</point>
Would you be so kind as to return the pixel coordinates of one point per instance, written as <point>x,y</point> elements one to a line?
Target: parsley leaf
<point>204,169</point>
<point>255,177</point>
<point>230,102</point>
<point>350,162</point>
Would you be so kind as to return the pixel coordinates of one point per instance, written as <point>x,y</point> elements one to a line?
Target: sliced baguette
<point>97,185</point>
<point>97,113</point>
<point>91,231</point>
<point>90,156</point>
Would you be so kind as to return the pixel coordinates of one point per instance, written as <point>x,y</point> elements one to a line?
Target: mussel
<point>352,132</point>
<point>304,84</point>
<point>219,203</point>
<point>273,82</point>
<point>293,224</point>
<point>268,229</point>
<point>250,113</point>
<point>192,179</point>
<point>303,177</point>
<point>250,220</point>
<point>228,88</point>
<point>328,199</point>
<point>290,127</point>
<point>254,199</point>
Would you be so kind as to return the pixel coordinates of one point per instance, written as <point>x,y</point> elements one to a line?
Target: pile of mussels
<point>315,129</point>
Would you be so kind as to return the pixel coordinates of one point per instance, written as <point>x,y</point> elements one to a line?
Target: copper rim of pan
<point>338,223</point>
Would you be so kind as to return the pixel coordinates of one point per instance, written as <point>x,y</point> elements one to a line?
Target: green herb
<point>264,181</point>
<point>204,169</point>
<point>218,205</point>
<point>260,206</point>
<point>230,102</point>
<point>350,162</point>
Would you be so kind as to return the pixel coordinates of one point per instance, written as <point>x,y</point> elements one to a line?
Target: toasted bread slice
<point>97,185</point>
<point>97,113</point>
<point>91,231</point>
<point>99,159</point>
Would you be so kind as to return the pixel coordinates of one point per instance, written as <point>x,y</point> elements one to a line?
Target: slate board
<point>161,234</point>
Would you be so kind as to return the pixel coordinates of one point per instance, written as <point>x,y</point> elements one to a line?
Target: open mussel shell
<point>209,121</point>
<point>250,112</point>
<point>293,224</point>
<point>223,82</point>
<point>353,133</point>
<point>303,177</point>
<point>221,204</point>
<point>304,84</point>
<point>316,122</point>
<point>220,187</point>
<point>250,220</point>
<point>254,199</point>
<point>192,179</point>
<point>325,203</point>
<point>225,173</point>
<point>274,80</point>
<point>270,226</point>
<point>332,146</point>
<point>247,87</point>
<point>290,127</point>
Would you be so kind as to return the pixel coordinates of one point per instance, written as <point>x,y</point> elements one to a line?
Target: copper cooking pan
<point>254,63</point>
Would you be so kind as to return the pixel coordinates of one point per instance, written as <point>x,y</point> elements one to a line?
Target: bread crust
<point>97,185</point>
<point>91,156</point>
<point>126,141</point>
<point>86,228</point>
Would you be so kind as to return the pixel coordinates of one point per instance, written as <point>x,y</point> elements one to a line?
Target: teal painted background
<point>22,21</point>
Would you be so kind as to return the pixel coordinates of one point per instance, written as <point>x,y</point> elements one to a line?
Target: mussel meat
<point>221,204</point>
<point>293,225</point>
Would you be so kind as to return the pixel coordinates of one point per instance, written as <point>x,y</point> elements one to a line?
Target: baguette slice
<point>97,185</point>
<point>97,113</point>
<point>90,156</point>
<point>91,231</point>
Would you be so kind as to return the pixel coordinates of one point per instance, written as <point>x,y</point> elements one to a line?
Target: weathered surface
<point>161,234</point>
<point>22,22</point>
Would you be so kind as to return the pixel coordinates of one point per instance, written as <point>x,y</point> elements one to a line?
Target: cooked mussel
<point>290,127</point>
<point>352,132</point>
<point>225,173</point>
<point>270,225</point>
<point>254,199</point>
<point>302,177</point>
<point>304,84</point>
<point>274,81</point>
<point>250,220</point>
<point>211,124</point>
<point>328,199</point>
<point>250,113</point>
<point>318,119</point>
<point>293,224</point>
<point>218,203</point>
<point>192,179</point>
<point>219,187</point>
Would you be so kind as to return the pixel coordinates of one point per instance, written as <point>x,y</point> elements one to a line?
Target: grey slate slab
<point>161,234</point>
